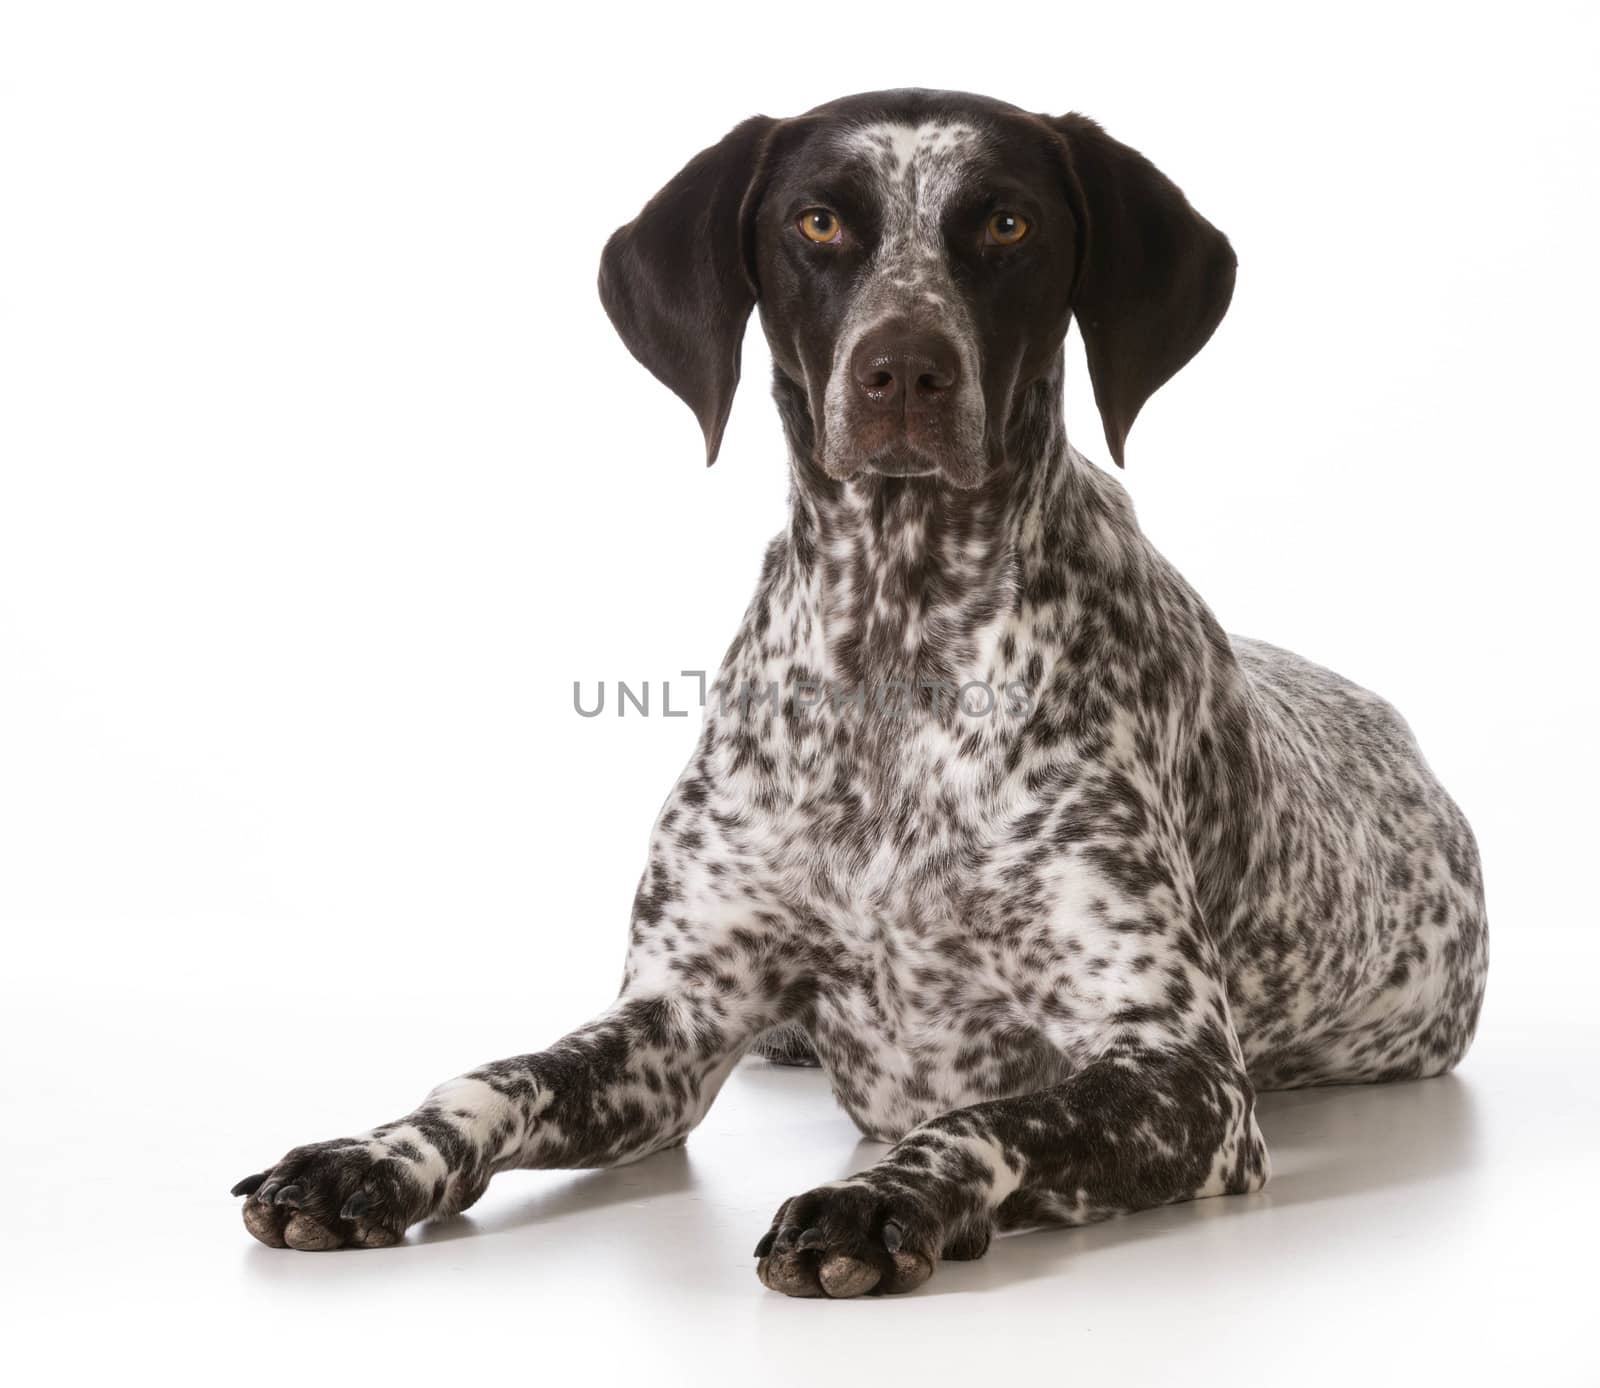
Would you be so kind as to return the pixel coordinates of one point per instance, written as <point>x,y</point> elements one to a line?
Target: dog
<point>1051,915</point>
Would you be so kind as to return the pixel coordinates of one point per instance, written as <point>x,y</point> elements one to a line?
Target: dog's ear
<point>677,283</point>
<point>1153,277</point>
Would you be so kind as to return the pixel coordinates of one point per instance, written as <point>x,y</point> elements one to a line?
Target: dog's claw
<point>265,1194</point>
<point>289,1195</point>
<point>786,1237</point>
<point>812,1238</point>
<point>250,1185</point>
<point>893,1236</point>
<point>356,1206</point>
<point>762,1249</point>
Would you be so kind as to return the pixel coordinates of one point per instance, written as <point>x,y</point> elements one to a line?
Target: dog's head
<point>917,257</point>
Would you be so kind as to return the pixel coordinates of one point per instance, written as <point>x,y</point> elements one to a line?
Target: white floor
<point>1445,1229</point>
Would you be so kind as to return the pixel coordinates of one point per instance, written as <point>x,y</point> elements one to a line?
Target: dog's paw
<point>352,1193</point>
<point>849,1239</point>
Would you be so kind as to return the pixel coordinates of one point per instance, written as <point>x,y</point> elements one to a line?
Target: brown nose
<point>902,370</point>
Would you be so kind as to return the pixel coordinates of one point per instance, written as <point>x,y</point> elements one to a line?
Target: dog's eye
<point>1005,229</point>
<point>820,225</point>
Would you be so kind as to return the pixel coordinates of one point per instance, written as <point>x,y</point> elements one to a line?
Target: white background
<point>322,478</point>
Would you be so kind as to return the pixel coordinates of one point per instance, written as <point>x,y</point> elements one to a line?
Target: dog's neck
<point>904,577</point>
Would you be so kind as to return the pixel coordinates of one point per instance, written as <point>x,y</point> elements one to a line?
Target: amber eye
<point>1005,229</point>
<point>820,225</point>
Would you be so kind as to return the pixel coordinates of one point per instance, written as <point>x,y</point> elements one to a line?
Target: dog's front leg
<point>1132,1129</point>
<point>709,969</point>
<point>1157,1107</point>
<point>629,1083</point>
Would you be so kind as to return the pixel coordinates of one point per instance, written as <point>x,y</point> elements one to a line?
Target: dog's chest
<point>873,791</point>
<point>880,810</point>
<point>883,833</point>
<point>893,828</point>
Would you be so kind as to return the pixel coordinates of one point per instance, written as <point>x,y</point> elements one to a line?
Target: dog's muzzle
<point>910,408</point>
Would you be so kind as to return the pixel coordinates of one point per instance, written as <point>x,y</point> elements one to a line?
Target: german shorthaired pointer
<point>989,817</point>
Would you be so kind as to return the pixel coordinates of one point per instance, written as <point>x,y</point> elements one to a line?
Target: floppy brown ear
<point>676,282</point>
<point>1153,278</point>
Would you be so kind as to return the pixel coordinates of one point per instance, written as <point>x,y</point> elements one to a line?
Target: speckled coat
<point>988,816</point>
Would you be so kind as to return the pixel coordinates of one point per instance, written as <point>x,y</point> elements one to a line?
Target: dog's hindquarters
<point>1358,946</point>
